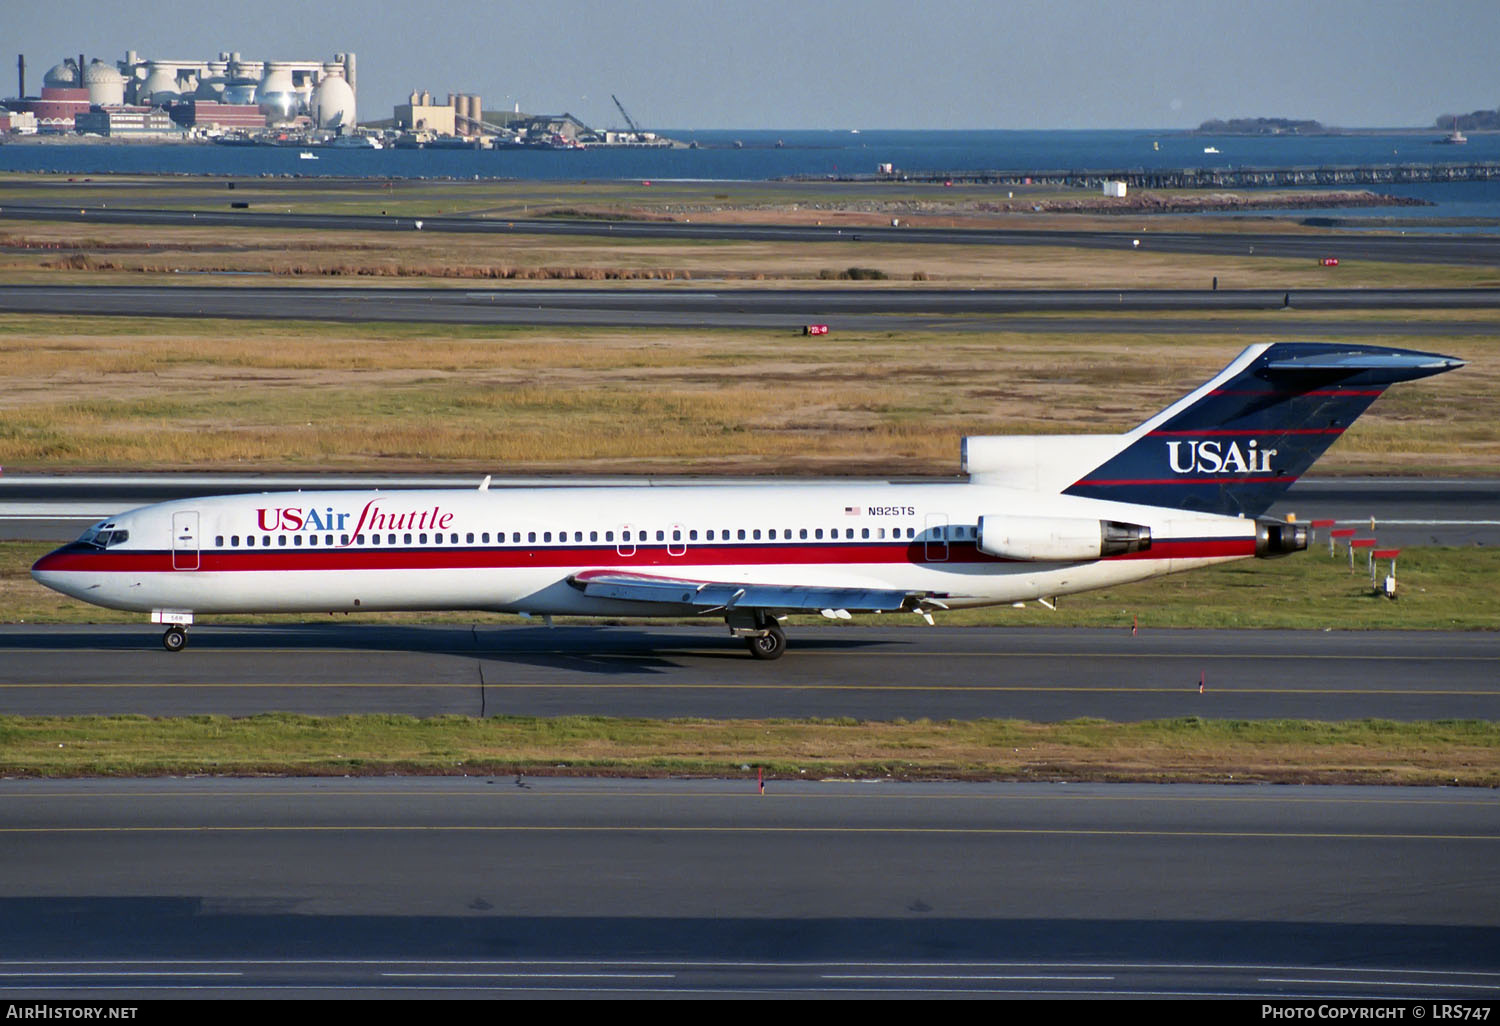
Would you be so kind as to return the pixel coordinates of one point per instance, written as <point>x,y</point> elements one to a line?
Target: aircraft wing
<point>711,596</point>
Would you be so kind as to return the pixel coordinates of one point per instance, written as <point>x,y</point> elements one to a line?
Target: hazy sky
<point>841,63</point>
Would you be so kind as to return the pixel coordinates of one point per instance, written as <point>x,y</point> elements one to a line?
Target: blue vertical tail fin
<point>1237,443</point>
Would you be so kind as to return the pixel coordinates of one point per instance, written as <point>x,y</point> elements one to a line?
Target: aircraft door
<point>185,540</point>
<point>626,545</point>
<point>935,537</point>
<point>677,540</point>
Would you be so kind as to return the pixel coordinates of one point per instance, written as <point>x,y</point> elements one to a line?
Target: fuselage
<point>515,550</point>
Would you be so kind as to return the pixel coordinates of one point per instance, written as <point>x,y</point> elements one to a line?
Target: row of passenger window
<point>629,536</point>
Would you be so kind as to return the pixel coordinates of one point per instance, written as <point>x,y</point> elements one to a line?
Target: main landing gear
<point>769,645</point>
<point>762,633</point>
<point>174,639</point>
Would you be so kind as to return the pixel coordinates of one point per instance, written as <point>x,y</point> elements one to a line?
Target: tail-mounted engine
<point>1060,539</point>
<point>1278,538</point>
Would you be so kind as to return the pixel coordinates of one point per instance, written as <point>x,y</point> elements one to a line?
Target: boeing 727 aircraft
<point>1040,516</point>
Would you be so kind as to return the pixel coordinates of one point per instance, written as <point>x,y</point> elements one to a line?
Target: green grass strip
<point>1189,749</point>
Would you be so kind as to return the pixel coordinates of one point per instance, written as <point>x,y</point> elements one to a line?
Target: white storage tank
<point>106,86</point>
<point>211,85</point>
<point>332,104</point>
<point>61,76</point>
<point>277,95</point>
<point>161,85</point>
<point>1115,189</point>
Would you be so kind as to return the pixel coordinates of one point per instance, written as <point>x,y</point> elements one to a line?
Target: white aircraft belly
<point>545,590</point>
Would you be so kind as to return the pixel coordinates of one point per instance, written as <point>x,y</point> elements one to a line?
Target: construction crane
<point>623,113</point>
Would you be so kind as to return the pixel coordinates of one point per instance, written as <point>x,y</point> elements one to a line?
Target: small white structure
<point>1115,189</point>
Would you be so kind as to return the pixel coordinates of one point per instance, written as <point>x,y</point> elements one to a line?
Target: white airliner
<point>1040,516</point>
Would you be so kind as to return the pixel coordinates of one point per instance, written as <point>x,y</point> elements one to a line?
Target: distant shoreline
<point>1435,133</point>
<point>1324,132</point>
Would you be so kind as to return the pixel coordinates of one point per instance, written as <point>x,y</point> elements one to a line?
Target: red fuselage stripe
<point>1111,482</point>
<point>1239,432</point>
<point>1298,393</point>
<point>465,558</point>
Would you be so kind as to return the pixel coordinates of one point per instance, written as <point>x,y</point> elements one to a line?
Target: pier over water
<point>1196,177</point>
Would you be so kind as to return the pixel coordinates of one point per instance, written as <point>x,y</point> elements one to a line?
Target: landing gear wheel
<point>174,639</point>
<point>770,645</point>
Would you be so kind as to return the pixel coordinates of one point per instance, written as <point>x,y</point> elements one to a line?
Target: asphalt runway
<point>1425,248</point>
<point>1407,511</point>
<point>782,309</point>
<point>555,887</point>
<point>867,672</point>
<point>1399,512</point>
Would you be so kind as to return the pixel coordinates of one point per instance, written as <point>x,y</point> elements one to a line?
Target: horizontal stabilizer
<point>1392,366</point>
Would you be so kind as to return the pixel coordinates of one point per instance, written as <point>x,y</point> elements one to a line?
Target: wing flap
<point>711,595</point>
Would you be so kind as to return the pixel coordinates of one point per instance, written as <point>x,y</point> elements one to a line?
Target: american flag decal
<point>851,511</point>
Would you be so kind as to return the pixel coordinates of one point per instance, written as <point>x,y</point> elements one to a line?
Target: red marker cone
<point>1135,625</point>
<point>1200,682</point>
<point>760,778</point>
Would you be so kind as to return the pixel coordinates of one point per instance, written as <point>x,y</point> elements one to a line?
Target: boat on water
<point>1453,138</point>
<point>355,142</point>
<point>1210,149</point>
<point>307,155</point>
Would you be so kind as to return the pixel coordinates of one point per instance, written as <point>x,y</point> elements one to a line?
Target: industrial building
<point>211,114</point>
<point>14,122</point>
<point>420,114</point>
<point>126,122</point>
<point>234,99</point>
<point>319,93</point>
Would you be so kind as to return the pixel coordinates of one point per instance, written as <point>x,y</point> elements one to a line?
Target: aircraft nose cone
<point>47,571</point>
<point>45,565</point>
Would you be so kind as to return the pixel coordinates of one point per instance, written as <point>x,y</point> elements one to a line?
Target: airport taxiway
<point>1034,310</point>
<point>476,886</point>
<point>868,672</point>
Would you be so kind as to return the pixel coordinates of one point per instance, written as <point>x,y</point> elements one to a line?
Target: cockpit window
<point>104,539</point>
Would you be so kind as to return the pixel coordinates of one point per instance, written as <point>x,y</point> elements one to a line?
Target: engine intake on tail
<point>1278,538</point>
<point>1060,539</point>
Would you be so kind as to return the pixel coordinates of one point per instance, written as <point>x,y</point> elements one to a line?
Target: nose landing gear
<point>174,639</point>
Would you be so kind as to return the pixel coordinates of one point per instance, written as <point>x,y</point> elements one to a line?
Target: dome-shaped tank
<point>277,95</point>
<point>62,76</point>
<point>160,86</point>
<point>333,101</point>
<point>240,92</point>
<point>106,86</point>
<point>211,86</point>
<point>242,83</point>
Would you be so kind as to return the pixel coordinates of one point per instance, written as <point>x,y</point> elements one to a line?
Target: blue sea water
<point>763,155</point>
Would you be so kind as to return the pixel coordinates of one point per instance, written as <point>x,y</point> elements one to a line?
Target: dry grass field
<point>139,393</point>
<point>66,253</point>
<point>42,252</point>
